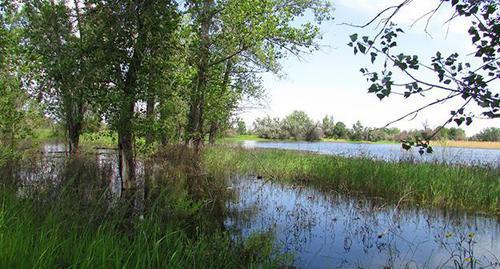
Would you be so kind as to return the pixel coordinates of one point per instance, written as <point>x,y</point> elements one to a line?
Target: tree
<point>358,131</point>
<point>328,126</point>
<point>256,33</point>
<point>340,130</point>
<point>12,98</point>
<point>130,44</point>
<point>488,134</point>
<point>456,134</point>
<point>59,70</point>
<point>455,78</point>
<point>298,125</point>
<point>270,128</point>
<point>241,127</point>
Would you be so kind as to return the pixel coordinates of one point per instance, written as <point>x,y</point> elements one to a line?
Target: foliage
<point>328,126</point>
<point>340,130</point>
<point>488,134</point>
<point>297,126</point>
<point>241,127</point>
<point>454,77</point>
<point>269,128</point>
<point>237,39</point>
<point>300,127</point>
<point>59,70</point>
<point>18,114</point>
<point>359,132</point>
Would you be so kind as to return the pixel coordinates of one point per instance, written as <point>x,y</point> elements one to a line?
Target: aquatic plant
<point>428,184</point>
<point>73,220</point>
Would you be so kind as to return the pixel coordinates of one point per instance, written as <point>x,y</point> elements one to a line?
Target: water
<point>389,152</point>
<point>328,230</point>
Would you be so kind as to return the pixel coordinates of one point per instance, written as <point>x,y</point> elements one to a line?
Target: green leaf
<point>362,48</point>
<point>354,37</point>
<point>373,56</point>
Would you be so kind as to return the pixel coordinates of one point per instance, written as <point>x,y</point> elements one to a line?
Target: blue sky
<point>329,81</point>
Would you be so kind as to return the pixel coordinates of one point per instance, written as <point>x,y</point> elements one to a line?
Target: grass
<point>75,226</point>
<point>427,184</point>
<point>440,143</point>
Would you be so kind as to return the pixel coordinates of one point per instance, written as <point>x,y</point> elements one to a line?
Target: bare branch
<point>422,108</point>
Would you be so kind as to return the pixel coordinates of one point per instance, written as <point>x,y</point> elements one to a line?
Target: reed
<point>428,184</point>
<point>73,223</point>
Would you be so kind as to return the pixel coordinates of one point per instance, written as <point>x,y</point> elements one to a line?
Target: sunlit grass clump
<point>427,184</point>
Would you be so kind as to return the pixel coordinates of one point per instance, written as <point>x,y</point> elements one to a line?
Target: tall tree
<point>15,108</point>
<point>257,32</point>
<point>55,39</point>
<point>130,40</point>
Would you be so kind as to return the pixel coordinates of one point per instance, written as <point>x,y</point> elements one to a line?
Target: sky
<point>328,82</point>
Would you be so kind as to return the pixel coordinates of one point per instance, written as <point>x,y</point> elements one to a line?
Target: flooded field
<point>329,230</point>
<point>389,152</point>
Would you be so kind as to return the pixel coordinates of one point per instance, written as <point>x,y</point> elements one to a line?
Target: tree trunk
<point>150,108</point>
<point>126,156</point>
<point>74,131</point>
<point>214,127</point>
<point>196,120</point>
<point>125,146</point>
<point>195,126</point>
<point>74,123</point>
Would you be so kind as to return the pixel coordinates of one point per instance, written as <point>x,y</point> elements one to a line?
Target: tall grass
<point>72,224</point>
<point>430,184</point>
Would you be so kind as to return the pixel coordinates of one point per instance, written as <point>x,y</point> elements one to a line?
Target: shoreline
<point>444,144</point>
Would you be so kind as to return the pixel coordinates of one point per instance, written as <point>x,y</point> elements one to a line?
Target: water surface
<point>389,152</point>
<point>329,230</point>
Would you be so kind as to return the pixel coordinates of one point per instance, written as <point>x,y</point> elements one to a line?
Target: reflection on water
<point>330,230</point>
<point>389,152</point>
<point>323,230</point>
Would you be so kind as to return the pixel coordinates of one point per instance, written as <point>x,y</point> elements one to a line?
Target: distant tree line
<point>299,126</point>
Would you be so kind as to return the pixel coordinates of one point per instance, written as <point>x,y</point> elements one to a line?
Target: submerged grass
<point>428,184</point>
<point>73,223</point>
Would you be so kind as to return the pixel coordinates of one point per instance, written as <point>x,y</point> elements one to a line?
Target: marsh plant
<point>70,220</point>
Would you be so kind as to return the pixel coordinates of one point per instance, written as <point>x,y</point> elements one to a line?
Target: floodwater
<point>329,230</point>
<point>389,152</point>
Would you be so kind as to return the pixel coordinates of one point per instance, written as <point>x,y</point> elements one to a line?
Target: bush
<point>489,134</point>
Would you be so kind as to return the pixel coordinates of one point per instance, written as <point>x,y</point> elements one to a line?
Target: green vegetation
<point>251,137</point>
<point>77,225</point>
<point>455,187</point>
<point>488,134</point>
<point>299,126</point>
<point>144,76</point>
